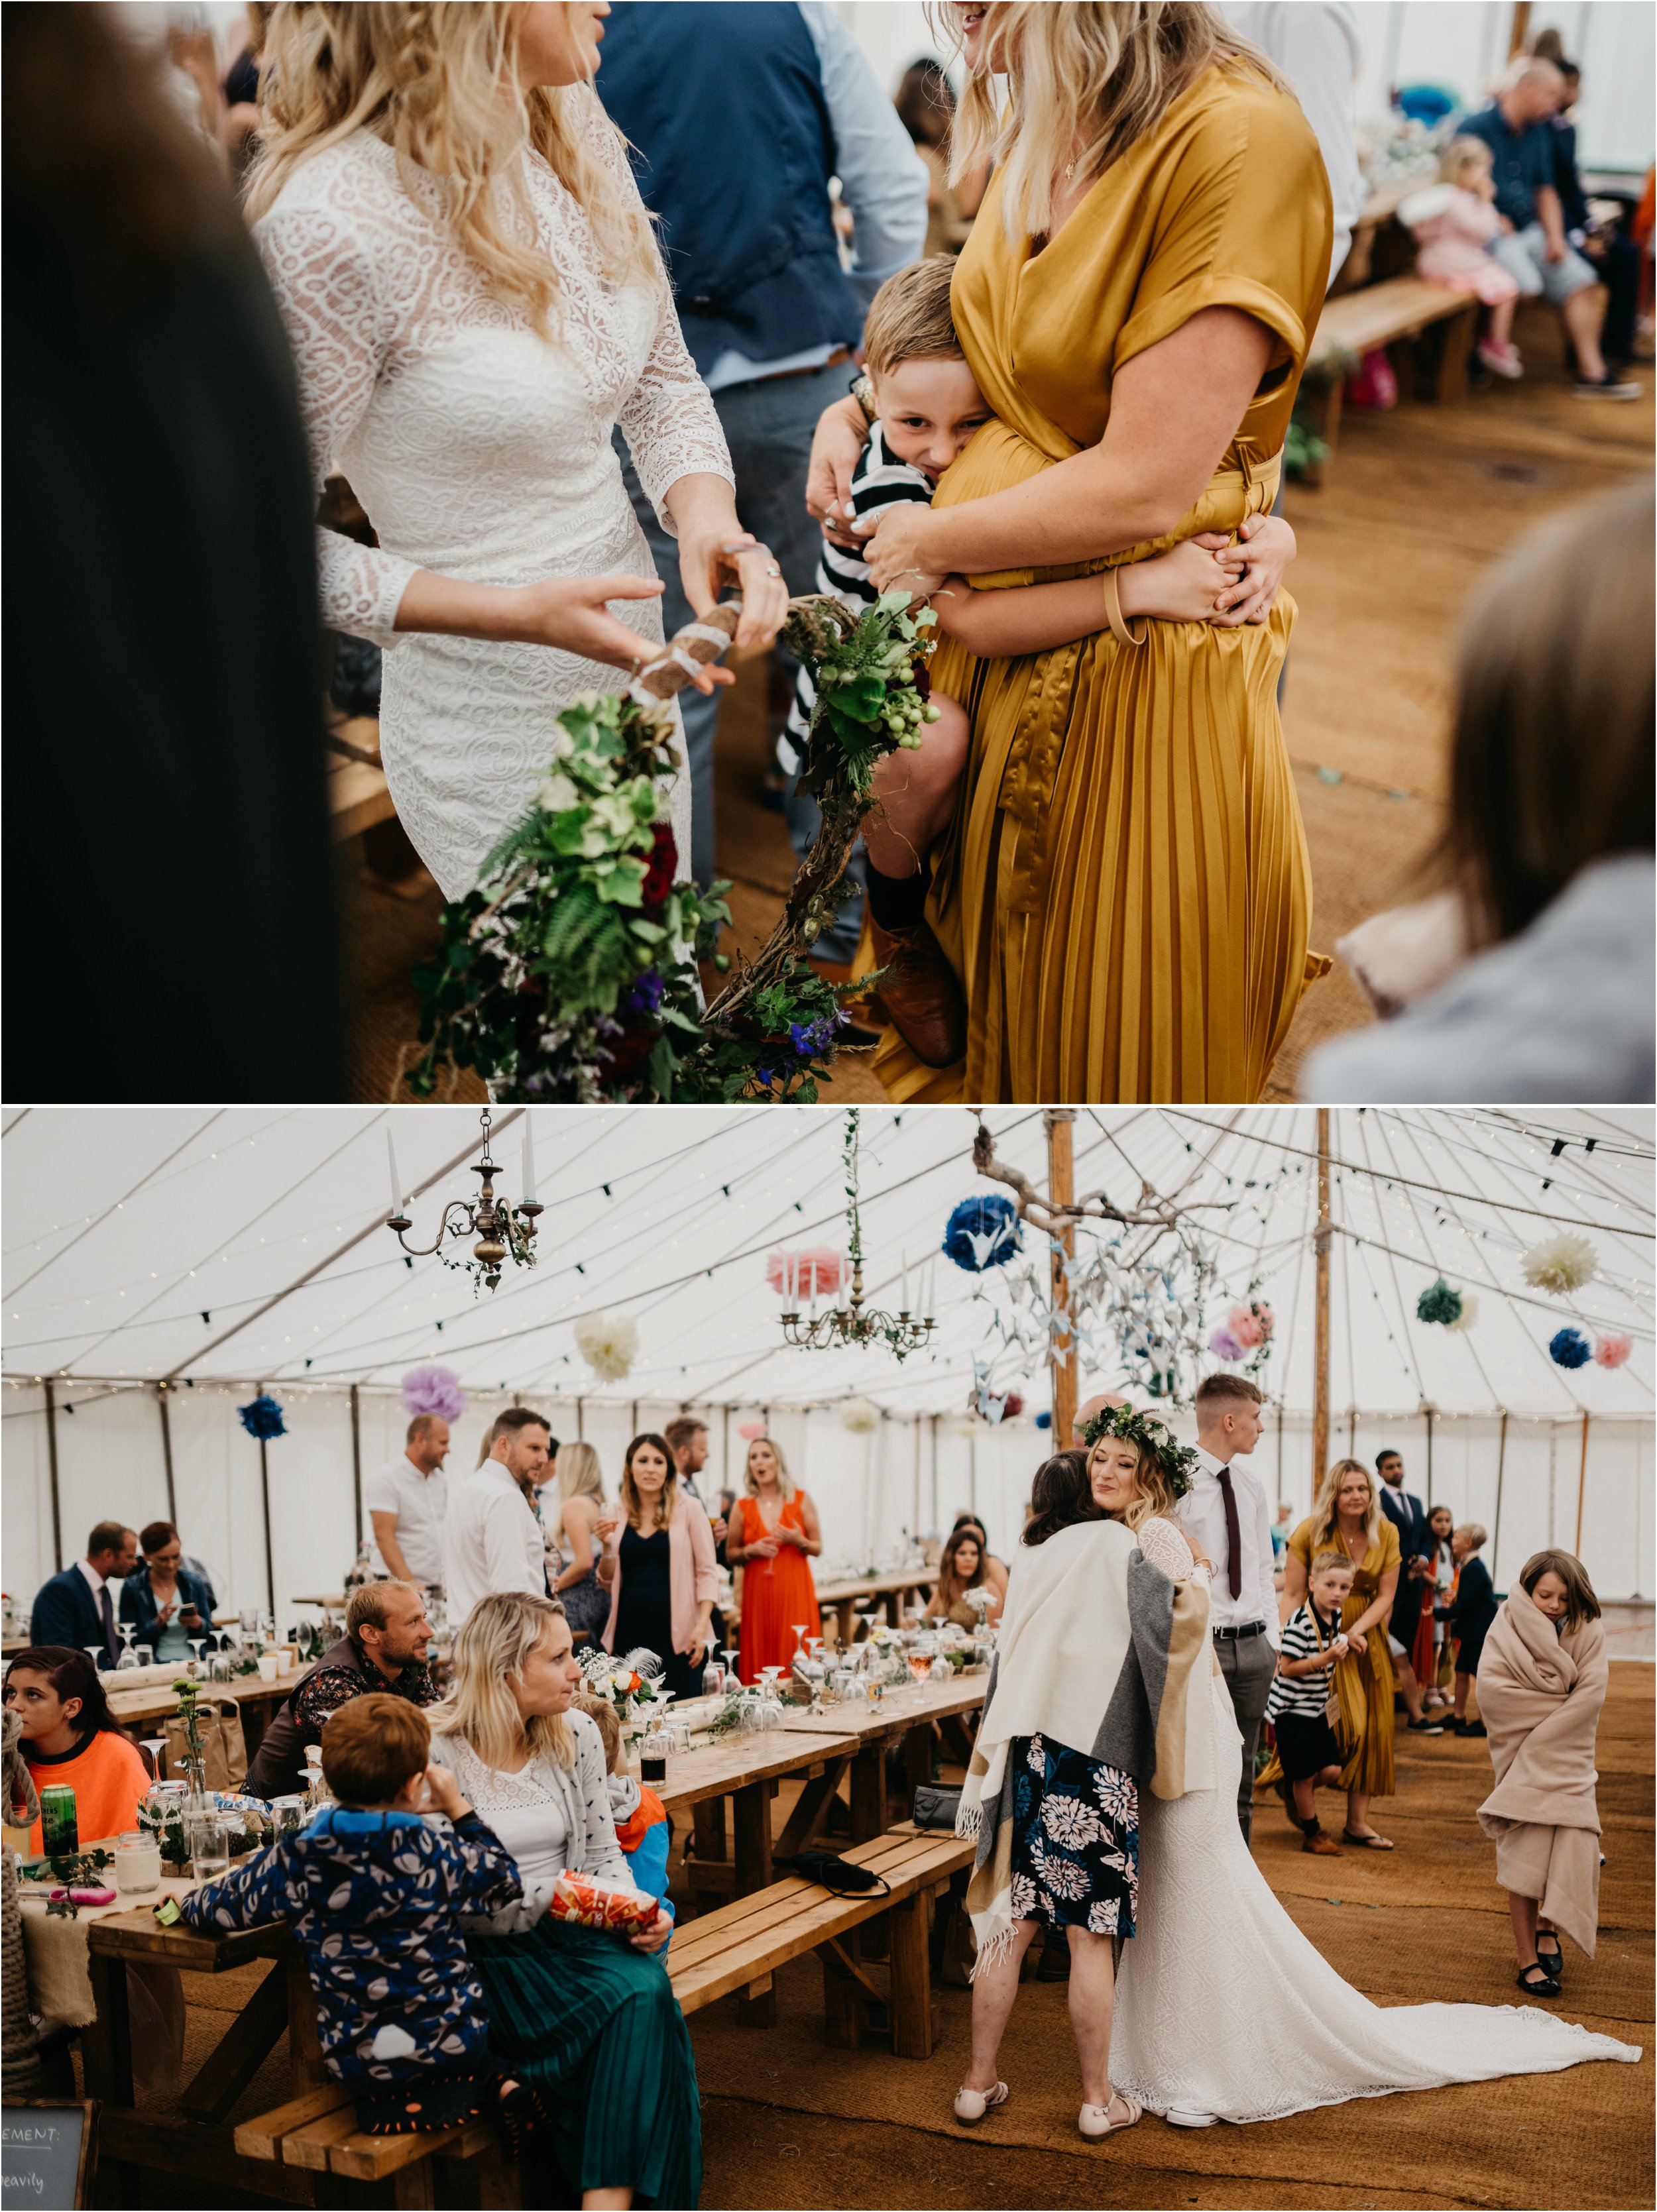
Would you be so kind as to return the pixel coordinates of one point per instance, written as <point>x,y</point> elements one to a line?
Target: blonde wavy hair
<point>1326,1512</point>
<point>1155,1499</point>
<point>491,1646</point>
<point>784,1480</point>
<point>437,80</point>
<point>1100,74</point>
<point>580,1474</point>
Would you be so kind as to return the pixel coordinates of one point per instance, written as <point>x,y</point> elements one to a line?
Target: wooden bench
<point>738,1946</point>
<point>317,2132</point>
<point>1403,307</point>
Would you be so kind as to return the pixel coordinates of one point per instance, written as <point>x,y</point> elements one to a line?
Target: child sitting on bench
<point>375,1896</point>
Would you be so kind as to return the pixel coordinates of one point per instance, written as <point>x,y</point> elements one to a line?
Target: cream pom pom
<point>1563,1265</point>
<point>1468,1315</point>
<point>860,1415</point>
<point>608,1343</point>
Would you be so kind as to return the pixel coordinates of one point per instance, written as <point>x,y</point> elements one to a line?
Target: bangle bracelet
<point>862,390</point>
<point>1113,614</point>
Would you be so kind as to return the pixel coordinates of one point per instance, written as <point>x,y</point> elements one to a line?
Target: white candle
<point>904,1305</point>
<point>396,1188</point>
<point>529,1159</point>
<point>794,1279</point>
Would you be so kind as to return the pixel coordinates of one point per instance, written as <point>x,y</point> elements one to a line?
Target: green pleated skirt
<point>593,2027</point>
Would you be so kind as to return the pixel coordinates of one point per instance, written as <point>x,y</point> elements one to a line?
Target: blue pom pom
<point>983,1232</point>
<point>1044,1420</point>
<point>1570,1348</point>
<point>263,1419</point>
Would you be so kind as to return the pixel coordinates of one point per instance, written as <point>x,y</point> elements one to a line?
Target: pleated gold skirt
<point>1125,894</point>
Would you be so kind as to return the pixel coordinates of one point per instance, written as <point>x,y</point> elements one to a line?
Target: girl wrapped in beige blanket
<point>1539,1696</point>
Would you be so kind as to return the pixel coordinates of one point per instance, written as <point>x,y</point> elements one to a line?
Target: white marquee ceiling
<point>248,1244</point>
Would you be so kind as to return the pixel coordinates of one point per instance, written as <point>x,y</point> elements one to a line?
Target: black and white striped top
<point>1304,1696</point>
<point>876,482</point>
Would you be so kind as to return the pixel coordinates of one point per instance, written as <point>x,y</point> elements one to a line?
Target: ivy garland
<point>570,972</point>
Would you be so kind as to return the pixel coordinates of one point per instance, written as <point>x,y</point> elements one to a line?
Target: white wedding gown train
<point>1224,2007</point>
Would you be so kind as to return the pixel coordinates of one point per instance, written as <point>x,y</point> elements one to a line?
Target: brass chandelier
<point>849,1324</point>
<point>504,1231</point>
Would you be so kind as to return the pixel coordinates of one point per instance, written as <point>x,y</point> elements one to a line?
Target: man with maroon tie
<point>1228,1513</point>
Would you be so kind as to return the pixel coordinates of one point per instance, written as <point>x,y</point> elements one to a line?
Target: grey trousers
<point>768,426</point>
<point>1248,1664</point>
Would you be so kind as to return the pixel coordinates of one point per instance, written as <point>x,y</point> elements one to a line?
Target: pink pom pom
<point>1266,1319</point>
<point>751,1432</point>
<point>816,1271</point>
<point>1224,1345</point>
<point>434,1390</point>
<point>1613,1350</point>
<point>1242,1327</point>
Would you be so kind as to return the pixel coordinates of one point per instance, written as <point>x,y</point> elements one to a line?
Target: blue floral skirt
<point>1075,1839</point>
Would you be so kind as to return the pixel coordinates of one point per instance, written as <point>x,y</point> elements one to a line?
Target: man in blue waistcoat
<point>738,115</point>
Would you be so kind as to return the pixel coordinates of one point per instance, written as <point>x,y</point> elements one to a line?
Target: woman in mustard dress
<point>1125,894</point>
<point>1348,1518</point>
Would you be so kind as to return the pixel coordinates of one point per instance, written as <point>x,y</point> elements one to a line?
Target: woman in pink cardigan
<point>1456,226</point>
<point>659,1567</point>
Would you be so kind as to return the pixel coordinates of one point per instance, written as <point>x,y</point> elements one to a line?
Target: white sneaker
<point>1186,2116</point>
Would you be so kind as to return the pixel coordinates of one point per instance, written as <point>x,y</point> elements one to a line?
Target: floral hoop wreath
<point>1177,1462</point>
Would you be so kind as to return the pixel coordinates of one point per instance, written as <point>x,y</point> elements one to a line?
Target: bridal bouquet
<point>570,972</point>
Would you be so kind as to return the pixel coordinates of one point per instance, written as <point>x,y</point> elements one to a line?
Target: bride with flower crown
<point>1224,2009</point>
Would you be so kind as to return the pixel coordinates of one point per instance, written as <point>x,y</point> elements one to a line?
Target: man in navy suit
<point>76,1608</point>
<point>1409,1516</point>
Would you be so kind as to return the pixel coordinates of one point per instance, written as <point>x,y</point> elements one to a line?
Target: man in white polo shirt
<point>408,1507</point>
<point>493,1541</point>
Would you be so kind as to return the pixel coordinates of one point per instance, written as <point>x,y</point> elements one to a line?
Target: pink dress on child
<point>1455,247</point>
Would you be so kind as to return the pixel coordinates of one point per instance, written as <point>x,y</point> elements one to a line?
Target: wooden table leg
<point>869,1794</point>
<point>813,1803</point>
<point>239,2052</point>
<point>751,1809</point>
<point>305,2066</point>
<point>106,2045</point>
<point>911,1980</point>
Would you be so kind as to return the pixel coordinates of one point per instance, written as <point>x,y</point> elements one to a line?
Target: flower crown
<point>1177,1462</point>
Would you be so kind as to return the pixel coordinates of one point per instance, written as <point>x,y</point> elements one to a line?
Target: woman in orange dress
<point>774,1534</point>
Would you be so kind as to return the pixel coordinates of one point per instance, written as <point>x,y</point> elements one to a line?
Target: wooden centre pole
<point>1320,1340</point>
<point>166,1455</point>
<point>356,1462</point>
<point>1059,1122</point>
<point>52,1464</point>
<point>1581,1483</point>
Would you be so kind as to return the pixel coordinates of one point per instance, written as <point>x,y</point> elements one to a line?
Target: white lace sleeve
<point>324,279</point>
<point>669,418</point>
<point>1163,1543</point>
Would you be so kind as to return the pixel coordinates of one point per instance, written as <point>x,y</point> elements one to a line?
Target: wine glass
<point>713,1678</point>
<point>732,1677</point>
<point>800,1630</point>
<point>98,1655</point>
<point>128,1631</point>
<point>195,1644</point>
<point>155,1745</point>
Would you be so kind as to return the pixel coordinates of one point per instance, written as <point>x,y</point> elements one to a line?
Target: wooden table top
<point>161,1702</point>
<point>874,1585</point>
<point>729,1763</point>
<point>898,1711</point>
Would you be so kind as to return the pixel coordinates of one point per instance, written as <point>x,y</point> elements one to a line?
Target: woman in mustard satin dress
<point>1125,893</point>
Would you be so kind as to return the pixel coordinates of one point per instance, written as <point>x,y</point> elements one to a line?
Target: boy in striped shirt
<point>1312,1641</point>
<point>924,408</point>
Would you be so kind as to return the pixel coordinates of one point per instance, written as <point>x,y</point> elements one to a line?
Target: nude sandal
<point>1095,2121</point>
<point>972,2104</point>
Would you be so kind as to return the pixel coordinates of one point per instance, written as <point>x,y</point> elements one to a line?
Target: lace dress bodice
<point>480,450</point>
<point>1164,1544</point>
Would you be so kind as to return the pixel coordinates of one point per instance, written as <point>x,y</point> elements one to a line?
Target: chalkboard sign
<point>47,2153</point>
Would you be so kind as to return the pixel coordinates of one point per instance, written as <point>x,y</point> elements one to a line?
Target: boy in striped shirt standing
<point>1312,1641</point>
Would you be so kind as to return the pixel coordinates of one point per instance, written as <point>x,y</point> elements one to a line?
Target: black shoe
<point>1425,1728</point>
<point>1552,1963</point>
<point>1547,1987</point>
<point>1605,388</point>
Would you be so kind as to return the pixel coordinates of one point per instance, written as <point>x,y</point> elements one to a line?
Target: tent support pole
<point>52,1463</point>
<point>1060,1122</point>
<point>1320,1343</point>
<point>167,1453</point>
<point>265,1500</point>
<point>356,1462</point>
<point>725,1447</point>
<point>915,1522</point>
<point>580,1419</point>
<point>934,1470</point>
<point>1581,1483</point>
<point>1501,1462</point>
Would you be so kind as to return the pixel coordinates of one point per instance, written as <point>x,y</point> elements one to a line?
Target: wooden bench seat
<point>1403,307</point>
<point>738,1946</point>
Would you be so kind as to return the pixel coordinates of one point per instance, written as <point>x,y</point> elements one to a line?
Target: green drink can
<point>58,1829</point>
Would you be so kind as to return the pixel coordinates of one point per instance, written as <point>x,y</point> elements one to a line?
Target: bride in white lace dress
<point>474,299</point>
<point>1225,2010</point>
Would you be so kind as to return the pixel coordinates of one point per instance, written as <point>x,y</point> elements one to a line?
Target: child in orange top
<point>69,1736</point>
<point>641,1825</point>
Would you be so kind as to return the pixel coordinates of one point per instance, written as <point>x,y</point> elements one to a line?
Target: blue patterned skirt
<point>1075,1838</point>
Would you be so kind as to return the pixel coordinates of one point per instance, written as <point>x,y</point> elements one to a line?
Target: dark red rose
<point>921,681</point>
<point>663,869</point>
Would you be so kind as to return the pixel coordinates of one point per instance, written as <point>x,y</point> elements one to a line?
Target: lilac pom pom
<point>434,1390</point>
<point>1224,1345</point>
